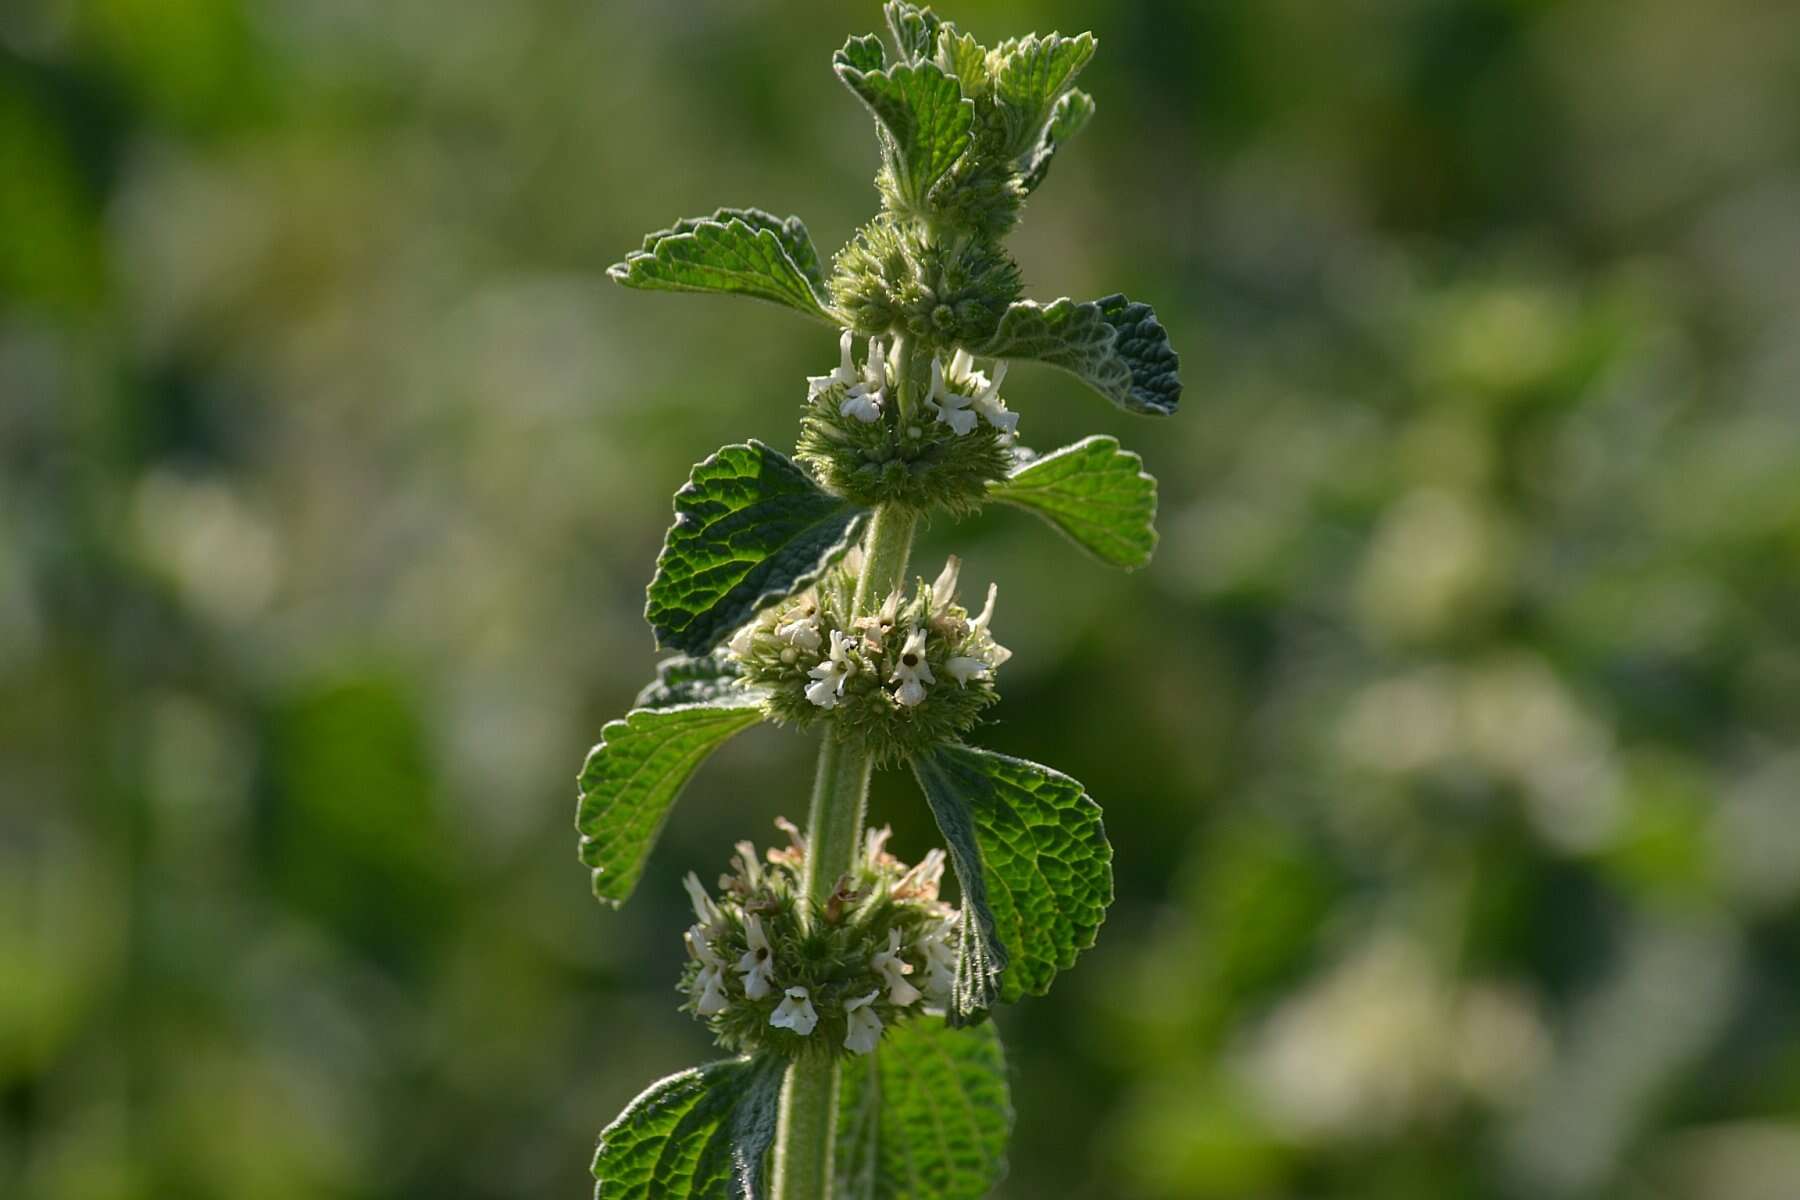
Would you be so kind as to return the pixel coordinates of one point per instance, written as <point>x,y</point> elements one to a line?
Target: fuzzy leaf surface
<point>1034,865</point>
<point>1073,112</point>
<point>922,113</point>
<point>1034,73</point>
<point>701,1134</point>
<point>925,1117</point>
<point>750,528</point>
<point>743,251</point>
<point>915,29</point>
<point>687,679</point>
<point>1094,492</point>
<point>631,779</point>
<point>1113,345</point>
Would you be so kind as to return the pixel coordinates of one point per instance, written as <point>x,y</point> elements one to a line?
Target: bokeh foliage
<point>1448,745</point>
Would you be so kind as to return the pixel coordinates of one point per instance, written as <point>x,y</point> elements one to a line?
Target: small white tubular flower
<point>844,372</point>
<point>921,882</point>
<point>912,672</point>
<point>740,641</point>
<point>749,867</point>
<point>705,911</point>
<point>952,408</point>
<point>991,406</point>
<point>802,626</point>
<point>865,406</point>
<point>795,1012</point>
<point>757,961</point>
<point>894,970</point>
<point>943,588</point>
<point>962,668</point>
<point>864,1026</point>
<point>827,687</point>
<point>940,960</point>
<point>987,610</point>
<point>709,984</point>
<point>962,364</point>
<point>865,396</point>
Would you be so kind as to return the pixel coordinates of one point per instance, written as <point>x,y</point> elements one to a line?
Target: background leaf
<point>926,1117</point>
<point>750,528</point>
<point>1093,491</point>
<point>1116,347</point>
<point>743,251</point>
<point>1034,865</point>
<point>702,1134</point>
<point>631,780</point>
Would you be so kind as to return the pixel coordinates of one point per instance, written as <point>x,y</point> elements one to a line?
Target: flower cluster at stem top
<point>769,971</point>
<point>906,677</point>
<point>860,439</point>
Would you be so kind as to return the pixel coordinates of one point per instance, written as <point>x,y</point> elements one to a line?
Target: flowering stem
<point>803,1147</point>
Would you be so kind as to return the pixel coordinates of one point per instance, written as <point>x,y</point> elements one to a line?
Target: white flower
<point>829,676</point>
<point>991,406</point>
<point>705,911</point>
<point>710,983</point>
<point>844,372</point>
<point>940,960</point>
<point>865,396</point>
<point>740,641</point>
<point>757,961</point>
<point>912,672</point>
<point>895,969</point>
<point>795,1012</point>
<point>749,867</point>
<point>921,882</point>
<point>962,668</point>
<point>802,626</point>
<point>864,1026</point>
<point>943,588</point>
<point>952,408</point>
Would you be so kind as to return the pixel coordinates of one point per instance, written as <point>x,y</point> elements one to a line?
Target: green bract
<point>783,585</point>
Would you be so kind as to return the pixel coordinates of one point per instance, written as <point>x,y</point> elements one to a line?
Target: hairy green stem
<point>803,1147</point>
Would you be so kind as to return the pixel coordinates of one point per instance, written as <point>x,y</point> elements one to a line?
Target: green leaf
<point>685,679</point>
<point>923,116</point>
<point>1116,347</point>
<point>1093,491</point>
<point>1033,74</point>
<point>915,29</point>
<point>961,55</point>
<point>925,1117</point>
<point>863,52</point>
<point>702,1134</point>
<point>746,251</point>
<point>631,779</point>
<point>1072,114</point>
<point>1033,863</point>
<point>750,528</point>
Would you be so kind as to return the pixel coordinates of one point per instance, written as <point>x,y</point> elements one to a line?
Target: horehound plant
<point>852,997</point>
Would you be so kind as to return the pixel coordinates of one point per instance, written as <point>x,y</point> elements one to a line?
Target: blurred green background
<point>1450,747</point>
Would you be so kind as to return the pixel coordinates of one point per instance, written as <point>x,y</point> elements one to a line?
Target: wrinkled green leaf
<point>631,779</point>
<point>1116,347</point>
<point>702,1134</point>
<point>922,114</point>
<point>1093,491</point>
<point>959,54</point>
<point>925,1117</point>
<point>1071,116</point>
<point>686,679</point>
<point>750,528</point>
<point>1033,863</point>
<point>915,29</point>
<point>1033,74</point>
<point>744,251</point>
<point>864,52</point>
